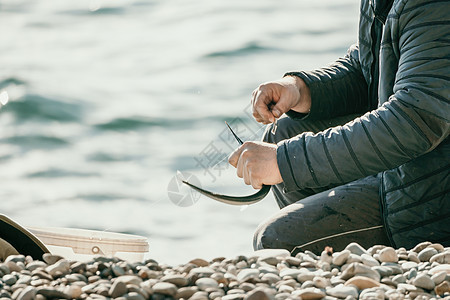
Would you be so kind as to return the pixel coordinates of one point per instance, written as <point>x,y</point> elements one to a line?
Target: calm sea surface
<point>108,99</point>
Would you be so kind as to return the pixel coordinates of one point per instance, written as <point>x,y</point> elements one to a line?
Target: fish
<point>233,200</point>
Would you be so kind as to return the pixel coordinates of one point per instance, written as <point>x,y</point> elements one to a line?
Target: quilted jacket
<point>398,77</point>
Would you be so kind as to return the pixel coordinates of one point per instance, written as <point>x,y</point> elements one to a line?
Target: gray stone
<point>118,288</point>
<point>383,270</point>
<point>9,279</point>
<point>355,248</point>
<point>426,254</point>
<point>165,288</point>
<point>424,281</point>
<point>117,270</point>
<point>396,269</point>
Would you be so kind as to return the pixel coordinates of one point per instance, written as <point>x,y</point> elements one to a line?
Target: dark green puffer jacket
<point>398,78</point>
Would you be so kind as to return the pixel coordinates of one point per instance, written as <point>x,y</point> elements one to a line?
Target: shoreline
<point>379,272</point>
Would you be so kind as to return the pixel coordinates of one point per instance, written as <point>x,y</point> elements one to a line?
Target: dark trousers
<point>311,219</point>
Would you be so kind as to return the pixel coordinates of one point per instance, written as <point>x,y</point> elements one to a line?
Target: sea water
<point>108,99</point>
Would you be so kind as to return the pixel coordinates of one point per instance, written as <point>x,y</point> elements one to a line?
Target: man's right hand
<point>272,99</point>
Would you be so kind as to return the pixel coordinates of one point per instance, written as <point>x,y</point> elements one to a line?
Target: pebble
<point>424,281</point>
<point>360,269</point>
<point>368,260</point>
<point>441,258</point>
<point>165,288</point>
<point>388,254</point>
<point>339,258</point>
<point>117,289</point>
<point>51,259</point>
<point>309,294</point>
<point>362,282</point>
<point>426,254</point>
<point>257,295</point>
<point>177,279</point>
<point>247,274</point>
<point>205,283</point>
<point>356,249</point>
<point>353,273</point>
<point>342,291</point>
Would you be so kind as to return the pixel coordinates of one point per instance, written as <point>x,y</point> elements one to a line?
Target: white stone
<point>423,281</point>
<point>290,272</point>
<point>205,283</point>
<point>165,288</point>
<point>342,291</point>
<point>439,277</point>
<point>247,274</point>
<point>388,254</point>
<point>339,258</point>
<point>356,248</point>
<point>368,260</point>
<point>441,258</point>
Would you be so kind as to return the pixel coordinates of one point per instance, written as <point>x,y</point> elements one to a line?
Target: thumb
<point>280,108</point>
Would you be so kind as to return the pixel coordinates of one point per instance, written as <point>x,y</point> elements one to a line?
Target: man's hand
<point>272,99</point>
<point>256,162</point>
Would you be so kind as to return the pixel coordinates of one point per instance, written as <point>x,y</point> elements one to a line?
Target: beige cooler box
<point>82,244</point>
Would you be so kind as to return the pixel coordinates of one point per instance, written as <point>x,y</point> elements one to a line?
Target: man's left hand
<point>256,162</point>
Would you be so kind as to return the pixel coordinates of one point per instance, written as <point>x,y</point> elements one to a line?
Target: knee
<point>265,237</point>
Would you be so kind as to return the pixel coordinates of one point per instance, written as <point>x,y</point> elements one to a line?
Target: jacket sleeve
<point>413,121</point>
<point>336,90</point>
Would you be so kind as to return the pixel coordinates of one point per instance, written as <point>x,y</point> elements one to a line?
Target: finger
<point>280,107</point>
<point>261,107</point>
<point>256,184</point>
<point>240,167</point>
<point>247,178</point>
<point>234,157</point>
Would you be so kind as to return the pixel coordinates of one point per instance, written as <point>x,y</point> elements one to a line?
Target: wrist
<point>304,101</point>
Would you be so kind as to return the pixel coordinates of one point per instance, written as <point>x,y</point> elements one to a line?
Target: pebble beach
<point>379,272</point>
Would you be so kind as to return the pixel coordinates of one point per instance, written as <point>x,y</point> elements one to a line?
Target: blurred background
<point>108,99</point>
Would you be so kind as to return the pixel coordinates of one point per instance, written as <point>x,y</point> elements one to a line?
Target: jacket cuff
<point>284,165</point>
<point>316,94</point>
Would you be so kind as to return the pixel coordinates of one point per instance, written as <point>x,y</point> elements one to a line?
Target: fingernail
<point>276,113</point>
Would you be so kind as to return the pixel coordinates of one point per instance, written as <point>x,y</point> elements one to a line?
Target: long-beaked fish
<point>233,200</point>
